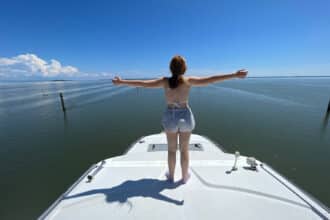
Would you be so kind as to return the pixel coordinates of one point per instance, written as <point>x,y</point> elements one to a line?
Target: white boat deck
<point>133,186</point>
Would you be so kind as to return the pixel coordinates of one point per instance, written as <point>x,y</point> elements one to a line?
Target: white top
<point>133,186</point>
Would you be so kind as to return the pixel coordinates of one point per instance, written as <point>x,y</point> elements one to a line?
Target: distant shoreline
<point>60,80</point>
<point>286,76</point>
<point>75,80</point>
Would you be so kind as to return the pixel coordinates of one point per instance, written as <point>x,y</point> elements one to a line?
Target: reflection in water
<point>259,96</point>
<point>52,91</point>
<point>42,101</point>
<point>65,118</point>
<point>103,96</point>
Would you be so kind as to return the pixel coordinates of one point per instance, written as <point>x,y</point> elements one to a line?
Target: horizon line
<point>95,79</point>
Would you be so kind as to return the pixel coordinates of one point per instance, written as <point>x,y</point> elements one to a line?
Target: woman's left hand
<point>116,80</point>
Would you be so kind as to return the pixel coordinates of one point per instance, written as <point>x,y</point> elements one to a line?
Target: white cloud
<point>32,65</point>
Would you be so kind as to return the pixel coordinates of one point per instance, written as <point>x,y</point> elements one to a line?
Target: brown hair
<point>178,67</point>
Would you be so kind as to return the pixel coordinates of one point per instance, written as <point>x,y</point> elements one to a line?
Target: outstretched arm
<point>153,83</point>
<point>203,81</point>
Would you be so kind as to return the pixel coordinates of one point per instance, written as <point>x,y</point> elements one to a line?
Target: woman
<point>178,120</point>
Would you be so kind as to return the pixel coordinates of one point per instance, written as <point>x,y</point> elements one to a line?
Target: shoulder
<point>164,80</point>
<point>191,79</point>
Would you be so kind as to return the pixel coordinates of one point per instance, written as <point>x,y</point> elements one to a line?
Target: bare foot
<point>186,178</point>
<point>168,177</point>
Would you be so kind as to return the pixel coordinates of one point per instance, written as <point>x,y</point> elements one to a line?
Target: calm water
<point>277,120</point>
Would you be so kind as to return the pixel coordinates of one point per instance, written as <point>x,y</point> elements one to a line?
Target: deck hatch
<point>163,147</point>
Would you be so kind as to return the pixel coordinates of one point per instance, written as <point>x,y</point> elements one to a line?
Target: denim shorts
<point>178,119</point>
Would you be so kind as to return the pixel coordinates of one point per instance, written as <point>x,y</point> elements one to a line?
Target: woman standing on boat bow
<point>178,120</point>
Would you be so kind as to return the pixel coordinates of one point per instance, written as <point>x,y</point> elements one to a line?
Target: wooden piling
<point>62,102</point>
<point>326,119</point>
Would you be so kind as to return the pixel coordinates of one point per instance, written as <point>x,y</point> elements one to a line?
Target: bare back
<point>179,95</point>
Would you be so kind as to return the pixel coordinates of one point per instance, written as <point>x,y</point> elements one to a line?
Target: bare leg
<point>172,141</point>
<point>184,149</point>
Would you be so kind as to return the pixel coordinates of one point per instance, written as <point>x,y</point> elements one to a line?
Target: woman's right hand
<point>116,80</point>
<point>241,73</point>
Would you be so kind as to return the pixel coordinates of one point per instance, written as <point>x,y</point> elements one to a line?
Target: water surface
<point>42,152</point>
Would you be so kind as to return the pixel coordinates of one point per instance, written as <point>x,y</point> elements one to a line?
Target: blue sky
<point>95,39</point>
